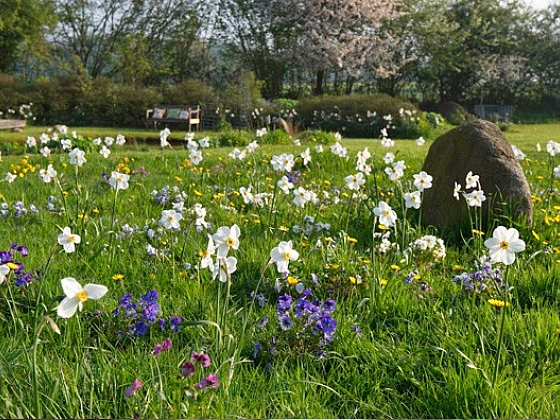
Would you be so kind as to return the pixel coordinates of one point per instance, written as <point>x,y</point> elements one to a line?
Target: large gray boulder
<point>479,147</point>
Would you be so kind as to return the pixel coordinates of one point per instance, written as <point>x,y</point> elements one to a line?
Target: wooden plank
<point>12,124</point>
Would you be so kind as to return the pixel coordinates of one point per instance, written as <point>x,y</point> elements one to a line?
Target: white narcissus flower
<point>47,175</point>
<point>68,240</point>
<point>119,181</point>
<point>226,238</point>
<point>354,182</point>
<point>76,295</point>
<point>306,156</point>
<point>105,151</point>
<point>456,190</point>
<point>504,244</point>
<point>387,216</point>
<point>471,180</point>
<point>475,198</point>
<point>423,181</point>
<point>282,255</point>
<point>413,200</point>
<point>170,219</point>
<point>224,268</point>
<point>206,260</point>
<point>4,270</point>
<point>285,185</point>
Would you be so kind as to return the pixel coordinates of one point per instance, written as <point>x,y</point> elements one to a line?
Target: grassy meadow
<point>258,282</point>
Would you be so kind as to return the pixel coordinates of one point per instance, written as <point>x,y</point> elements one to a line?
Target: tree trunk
<point>319,83</point>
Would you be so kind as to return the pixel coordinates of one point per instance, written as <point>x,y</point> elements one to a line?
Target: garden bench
<point>15,125</point>
<point>164,114</point>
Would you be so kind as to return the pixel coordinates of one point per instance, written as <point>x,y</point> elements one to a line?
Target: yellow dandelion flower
<point>118,277</point>
<point>352,240</point>
<point>178,179</point>
<point>335,266</point>
<point>457,267</point>
<point>395,267</point>
<point>292,281</point>
<point>197,193</point>
<point>497,303</point>
<point>383,282</point>
<point>355,280</point>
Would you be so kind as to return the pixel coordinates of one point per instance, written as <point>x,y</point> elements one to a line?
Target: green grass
<point>427,349</point>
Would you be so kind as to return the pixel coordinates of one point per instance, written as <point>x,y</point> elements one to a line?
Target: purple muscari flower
<point>5,257</point>
<point>285,323</point>
<point>33,209</point>
<point>149,298</point>
<point>211,381</point>
<point>261,299</point>
<point>133,388</point>
<point>303,307</point>
<point>126,301</point>
<point>329,305</point>
<point>150,312</point>
<point>328,326</point>
<point>24,280</point>
<point>293,176</point>
<point>263,322</point>
<point>23,250</point>
<point>162,323</point>
<point>201,358</point>
<point>140,329</point>
<point>188,369</point>
<point>306,293</point>
<point>409,278</point>
<point>256,350</point>
<point>314,278</point>
<point>175,322</point>
<point>19,268</point>
<point>163,346</point>
<point>105,176</point>
<point>284,304</point>
<point>356,329</point>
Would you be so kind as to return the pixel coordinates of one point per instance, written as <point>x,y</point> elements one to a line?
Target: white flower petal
<point>95,291</point>
<point>70,286</point>
<point>67,307</point>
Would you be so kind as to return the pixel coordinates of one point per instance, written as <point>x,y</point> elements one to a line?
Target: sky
<point>539,4</point>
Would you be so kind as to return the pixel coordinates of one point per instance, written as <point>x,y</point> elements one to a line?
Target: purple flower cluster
<point>141,314</point>
<point>9,258</point>
<point>18,208</point>
<point>482,280</point>
<point>311,315</point>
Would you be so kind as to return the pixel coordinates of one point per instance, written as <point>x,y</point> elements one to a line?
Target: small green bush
<point>318,136</point>
<point>276,137</point>
<point>233,138</point>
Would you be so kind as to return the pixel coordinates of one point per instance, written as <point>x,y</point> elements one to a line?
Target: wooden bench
<point>163,114</point>
<point>15,125</point>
